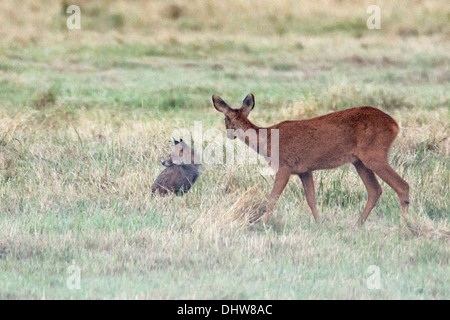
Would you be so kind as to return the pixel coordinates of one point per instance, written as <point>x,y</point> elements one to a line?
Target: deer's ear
<point>219,104</point>
<point>248,104</point>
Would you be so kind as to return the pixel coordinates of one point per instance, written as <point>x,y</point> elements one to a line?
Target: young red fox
<point>180,172</point>
<point>362,136</point>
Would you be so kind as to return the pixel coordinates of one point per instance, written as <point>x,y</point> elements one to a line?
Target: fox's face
<point>181,154</point>
<point>234,118</point>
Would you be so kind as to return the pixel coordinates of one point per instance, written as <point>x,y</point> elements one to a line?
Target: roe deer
<point>179,175</point>
<point>362,136</point>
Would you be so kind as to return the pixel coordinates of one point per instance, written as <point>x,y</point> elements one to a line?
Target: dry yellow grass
<point>28,21</point>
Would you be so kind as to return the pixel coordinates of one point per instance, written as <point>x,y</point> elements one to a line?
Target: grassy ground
<point>85,117</point>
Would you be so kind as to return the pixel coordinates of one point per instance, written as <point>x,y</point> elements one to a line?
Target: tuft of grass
<point>43,100</point>
<point>116,20</point>
<point>173,11</point>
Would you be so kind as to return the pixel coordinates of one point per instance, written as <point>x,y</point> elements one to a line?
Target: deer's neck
<point>253,136</point>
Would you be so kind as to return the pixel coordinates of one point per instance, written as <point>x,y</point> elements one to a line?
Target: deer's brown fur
<point>362,136</point>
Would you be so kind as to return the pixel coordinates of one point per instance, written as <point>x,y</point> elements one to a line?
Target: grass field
<point>86,115</point>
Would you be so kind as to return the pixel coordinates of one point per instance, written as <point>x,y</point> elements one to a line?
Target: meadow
<point>86,116</point>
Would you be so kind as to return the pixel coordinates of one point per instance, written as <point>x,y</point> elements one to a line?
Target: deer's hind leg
<point>388,175</point>
<point>310,193</point>
<point>372,186</point>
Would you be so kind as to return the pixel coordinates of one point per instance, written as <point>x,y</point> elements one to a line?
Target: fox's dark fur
<point>178,177</point>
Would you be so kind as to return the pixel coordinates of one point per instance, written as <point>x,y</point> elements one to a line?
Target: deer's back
<point>331,140</point>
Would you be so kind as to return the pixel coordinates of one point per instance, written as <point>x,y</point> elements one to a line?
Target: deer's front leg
<point>281,179</point>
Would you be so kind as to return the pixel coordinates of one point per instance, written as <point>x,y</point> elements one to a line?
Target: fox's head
<point>234,118</point>
<point>181,154</point>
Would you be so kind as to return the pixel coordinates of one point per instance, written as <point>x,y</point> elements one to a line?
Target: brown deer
<point>180,172</point>
<point>362,136</point>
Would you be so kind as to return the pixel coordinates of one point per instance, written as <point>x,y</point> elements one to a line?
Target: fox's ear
<point>219,104</point>
<point>248,104</point>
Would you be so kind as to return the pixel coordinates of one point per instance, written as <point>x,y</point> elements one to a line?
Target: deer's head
<point>234,118</point>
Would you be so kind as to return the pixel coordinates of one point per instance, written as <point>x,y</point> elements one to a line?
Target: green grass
<point>86,118</point>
